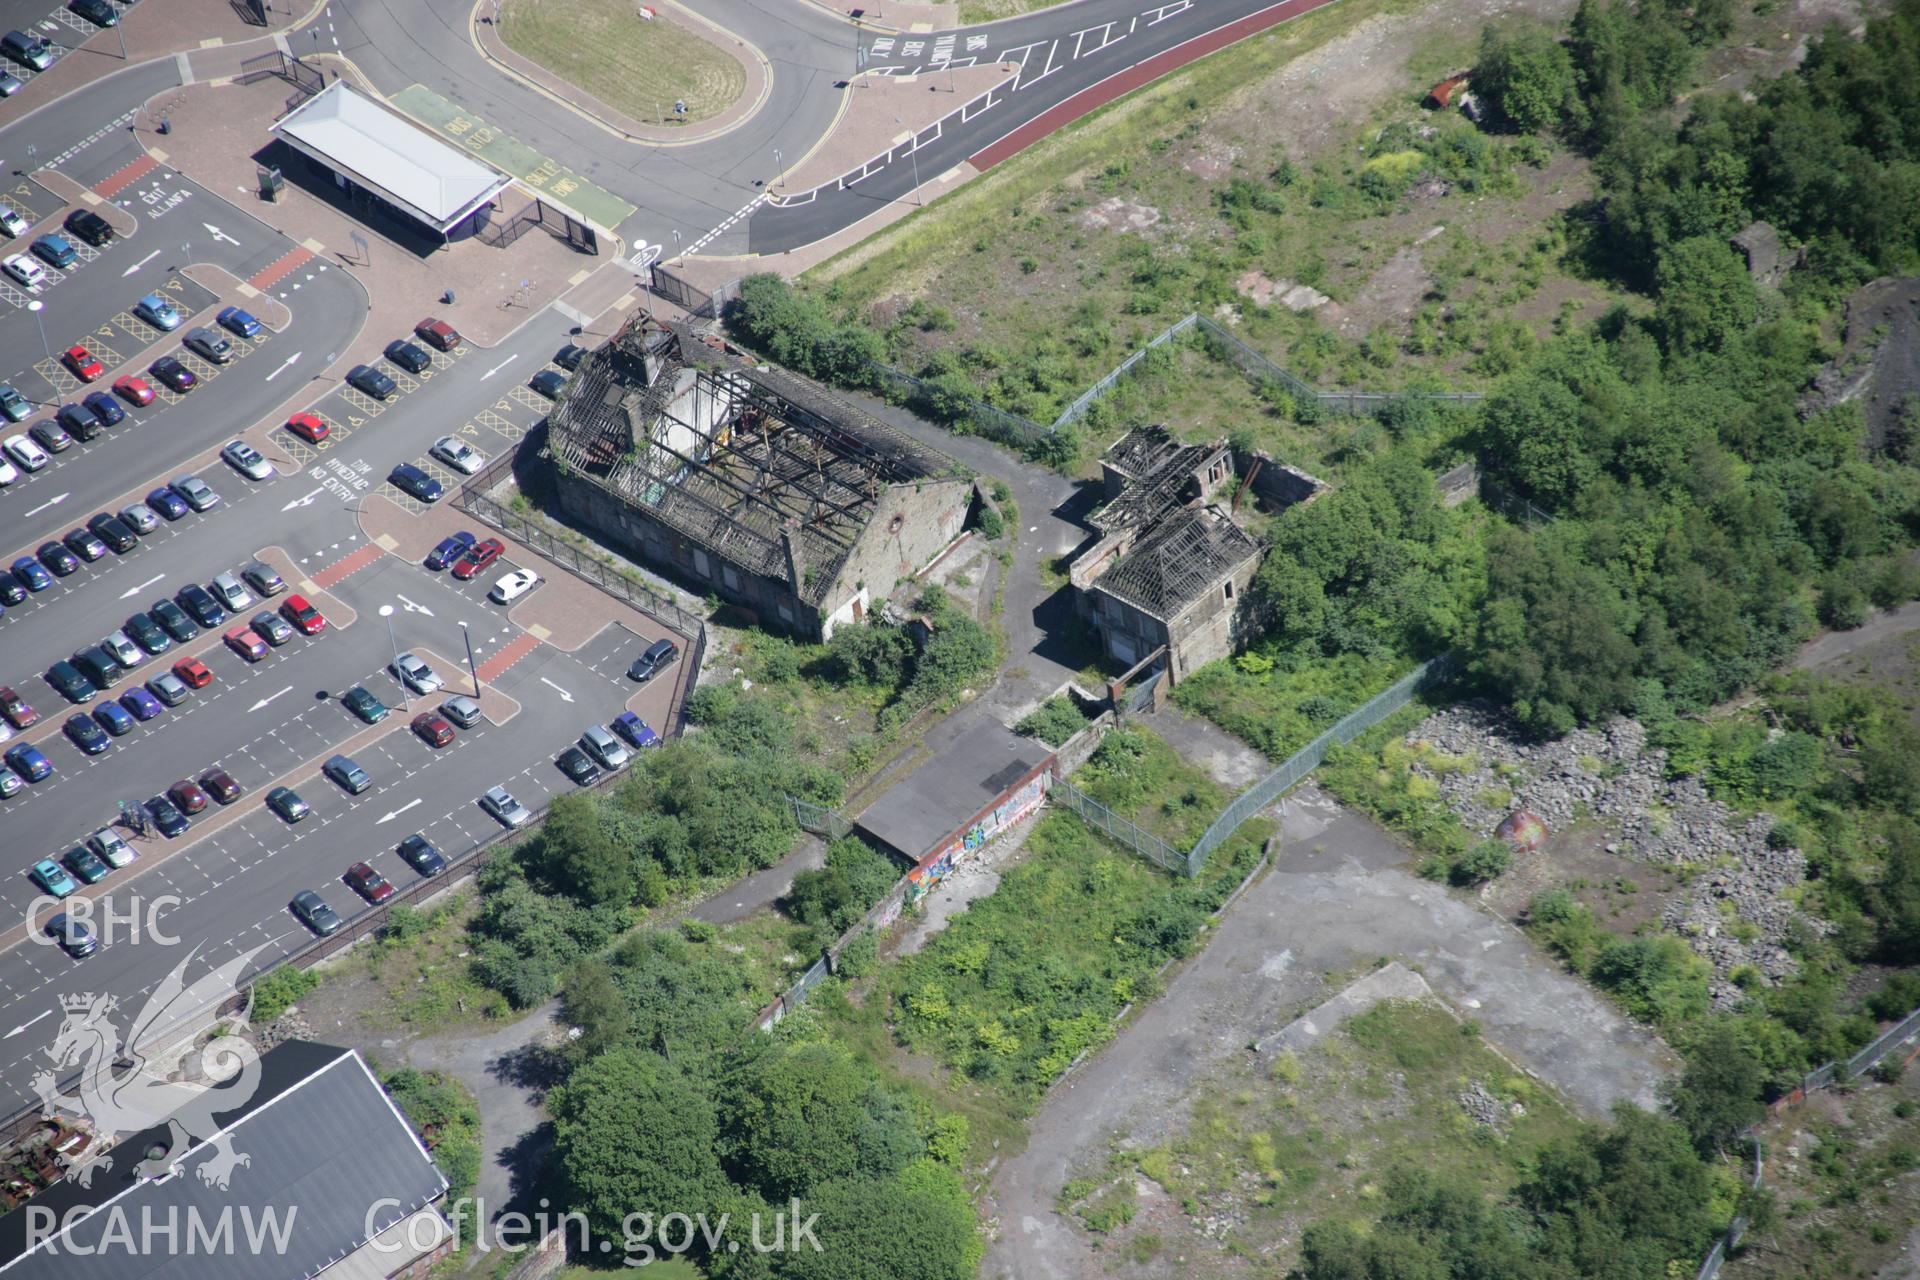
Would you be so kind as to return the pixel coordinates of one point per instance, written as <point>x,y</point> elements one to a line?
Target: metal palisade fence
<point>1304,761</point>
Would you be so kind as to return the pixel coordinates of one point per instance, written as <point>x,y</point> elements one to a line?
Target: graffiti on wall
<point>937,866</point>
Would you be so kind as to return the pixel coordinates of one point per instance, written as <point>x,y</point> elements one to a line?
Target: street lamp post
<point>914,142</point>
<point>472,670</point>
<point>36,306</point>
<point>406,692</point>
<point>777,173</point>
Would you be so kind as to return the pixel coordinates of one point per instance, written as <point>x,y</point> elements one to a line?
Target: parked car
<point>169,688</point>
<point>438,334</point>
<point>56,557</point>
<point>72,936</point>
<point>166,816</point>
<point>549,383</point>
<point>288,804</point>
<point>271,627</point>
<point>24,270</point>
<point>413,672</point>
<point>187,796</point>
<point>22,450</point>
<point>512,586</point>
<point>18,712</point>
<point>173,620</point>
<point>13,405</point>
<point>462,710</point>
<point>31,574</point>
<point>638,733</point>
<point>85,734</point>
<point>364,705</point>
<point>227,590</point>
<point>124,650</point>
<point>68,681</point>
<point>433,729</point>
<point>570,356</point>
<point>312,911</point>
<point>115,532</point>
<point>347,774</point>
<point>77,421</point>
<point>55,250</point>
<point>91,227</point>
<point>140,518</point>
<point>368,883</point>
<point>111,848</point>
<point>147,634</point>
<point>140,704</point>
<point>204,609</point>
<point>12,223</point>
<point>53,878</point>
<point>458,454</point>
<point>308,427</point>
<point>238,322</point>
<point>193,673</point>
<point>448,550</point>
<point>168,503</point>
<point>28,51</point>
<point>578,767</point>
<point>248,645</point>
<point>84,544</point>
<point>135,391</point>
<point>509,812</point>
<point>114,718</point>
<point>659,656</point>
<point>86,865</point>
<point>606,750</point>
<point>415,483</point>
<point>247,460</point>
<point>478,557</point>
<point>27,761</point>
<point>262,577</point>
<point>418,852</point>
<point>366,378</point>
<point>306,619</point>
<point>219,784</point>
<point>51,436</point>
<point>159,311</point>
<point>99,12</point>
<point>408,356</point>
<point>209,344</point>
<point>196,492</point>
<point>98,666</point>
<point>174,376</point>
<point>105,409</point>
<point>83,363</point>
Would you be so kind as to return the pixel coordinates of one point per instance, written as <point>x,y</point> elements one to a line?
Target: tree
<point>795,1116</point>
<point>916,1225</point>
<point>1532,427</point>
<point>593,1001</point>
<point>1717,1097</point>
<point>1525,75</point>
<point>634,1135</point>
<point>580,854</point>
<point>1705,295</point>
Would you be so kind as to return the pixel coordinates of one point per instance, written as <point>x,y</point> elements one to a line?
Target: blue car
<point>28,762</point>
<point>234,320</point>
<point>53,878</point>
<point>637,732</point>
<point>87,735</point>
<point>55,251</point>
<point>168,503</point>
<point>140,704</point>
<point>449,550</point>
<point>114,718</point>
<point>106,409</point>
<point>32,574</point>
<point>415,483</point>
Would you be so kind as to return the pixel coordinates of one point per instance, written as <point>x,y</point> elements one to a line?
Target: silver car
<point>261,577</point>
<point>140,518</point>
<point>416,674</point>
<point>509,812</point>
<point>12,223</point>
<point>247,460</point>
<point>458,454</point>
<point>606,749</point>
<point>211,343</point>
<point>124,650</point>
<point>194,492</point>
<point>228,591</point>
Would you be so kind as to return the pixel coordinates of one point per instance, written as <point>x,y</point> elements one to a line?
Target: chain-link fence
<point>1121,830</point>
<point>1304,761</point>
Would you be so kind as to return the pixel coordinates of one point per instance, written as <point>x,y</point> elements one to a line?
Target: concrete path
<point>1339,897</point>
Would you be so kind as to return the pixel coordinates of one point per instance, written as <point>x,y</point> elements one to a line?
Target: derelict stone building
<point>750,481</point>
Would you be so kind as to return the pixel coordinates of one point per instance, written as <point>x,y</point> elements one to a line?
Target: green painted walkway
<point>542,173</point>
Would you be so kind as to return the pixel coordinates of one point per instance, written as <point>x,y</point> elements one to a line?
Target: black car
<point>113,531</point>
<point>105,409</point>
<point>69,683</point>
<point>74,937</point>
<point>86,865</point>
<point>90,226</point>
<point>570,356</point>
<point>578,766</point>
<point>98,12</point>
<point>85,545</point>
<point>166,817</point>
<point>418,852</point>
<point>56,557</point>
<point>174,620</point>
<point>27,50</point>
<point>78,421</point>
<point>86,735</point>
<point>549,383</point>
<point>98,666</point>
<point>11,592</point>
<point>144,632</point>
<point>415,483</point>
<point>408,356</point>
<point>659,655</point>
<point>172,374</point>
<point>365,377</point>
<point>199,602</point>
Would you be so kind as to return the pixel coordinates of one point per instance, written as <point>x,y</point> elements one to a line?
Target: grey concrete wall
<point>1278,486</point>
<point>912,523</point>
<point>1212,627</point>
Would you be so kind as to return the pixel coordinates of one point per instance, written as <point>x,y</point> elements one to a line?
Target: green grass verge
<point>641,68</point>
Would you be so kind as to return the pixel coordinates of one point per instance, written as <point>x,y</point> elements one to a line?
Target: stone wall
<point>1277,486</point>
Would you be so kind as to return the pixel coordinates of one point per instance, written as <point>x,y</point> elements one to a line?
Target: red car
<point>193,673</point>
<point>85,367</point>
<point>244,642</point>
<point>134,391</point>
<point>303,615</point>
<point>15,709</point>
<point>187,797</point>
<point>308,427</point>
<point>478,557</point>
<point>433,729</point>
<point>438,333</point>
<point>368,883</point>
<point>219,784</point>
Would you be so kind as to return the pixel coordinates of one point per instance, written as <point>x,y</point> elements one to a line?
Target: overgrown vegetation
<point>1055,720</point>
<point>885,659</point>
<point>442,1111</point>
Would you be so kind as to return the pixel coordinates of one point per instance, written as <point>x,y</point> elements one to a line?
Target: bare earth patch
<point>1116,214</point>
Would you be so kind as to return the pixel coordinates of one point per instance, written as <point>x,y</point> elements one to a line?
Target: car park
<point>637,732</point>
<point>83,363</point>
<point>114,532</point>
<point>227,590</point>
<point>114,718</point>
<point>408,356</point>
<point>418,852</point>
<point>203,608</point>
<point>166,816</point>
<point>478,557</point>
<point>24,270</point>
<point>368,883</point>
<point>174,376</point>
<point>53,878</point>
<point>12,223</point>
<point>570,356</point>
<point>85,734</point>
<point>31,574</point>
<point>187,796</point>
<point>124,650</point>
<point>169,688</point>
<point>140,704</point>
<point>69,683</point>
<point>308,427</point>
<point>367,379</point>
<point>364,705</point>
<point>55,251</point>
<point>306,619</point>
<point>209,344</point>
<point>86,866</point>
<point>238,322</point>
<point>91,227</point>
<point>146,633</point>
<point>347,774</point>
<point>18,712</point>
<point>173,620</point>
<point>462,710</point>
<point>248,645</point>
<point>247,460</point>
<point>219,784</point>
<point>458,454</point>
<point>111,847</point>
<point>415,483</point>
<point>28,762</point>
<point>78,422</point>
<point>448,550</point>
<point>158,311</point>
<point>139,517</point>
<point>509,812</point>
<point>71,936</point>
<point>105,409</point>
<point>437,334</point>
<point>272,628</point>
<point>168,503</point>
<point>512,586</point>
<point>195,491</point>
<point>98,666</point>
<point>578,767</point>
<point>604,748</point>
<point>56,557</point>
<point>262,577</point>
<point>25,452</point>
<point>312,911</point>
<point>287,803</point>
<point>51,436</point>
<point>658,657</point>
<point>193,673</point>
<point>433,729</point>
<point>413,671</point>
<point>13,406</point>
<point>135,391</point>
<point>84,544</point>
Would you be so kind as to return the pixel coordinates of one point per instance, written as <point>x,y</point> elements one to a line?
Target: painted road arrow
<point>565,696</point>
<point>411,607</point>
<point>269,698</point>
<point>218,234</point>
<point>23,1026</point>
<point>305,500</point>
<point>497,368</point>
<point>283,365</point>
<point>136,266</point>
<point>54,501</point>
<point>397,812</point>
<point>131,592</point>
